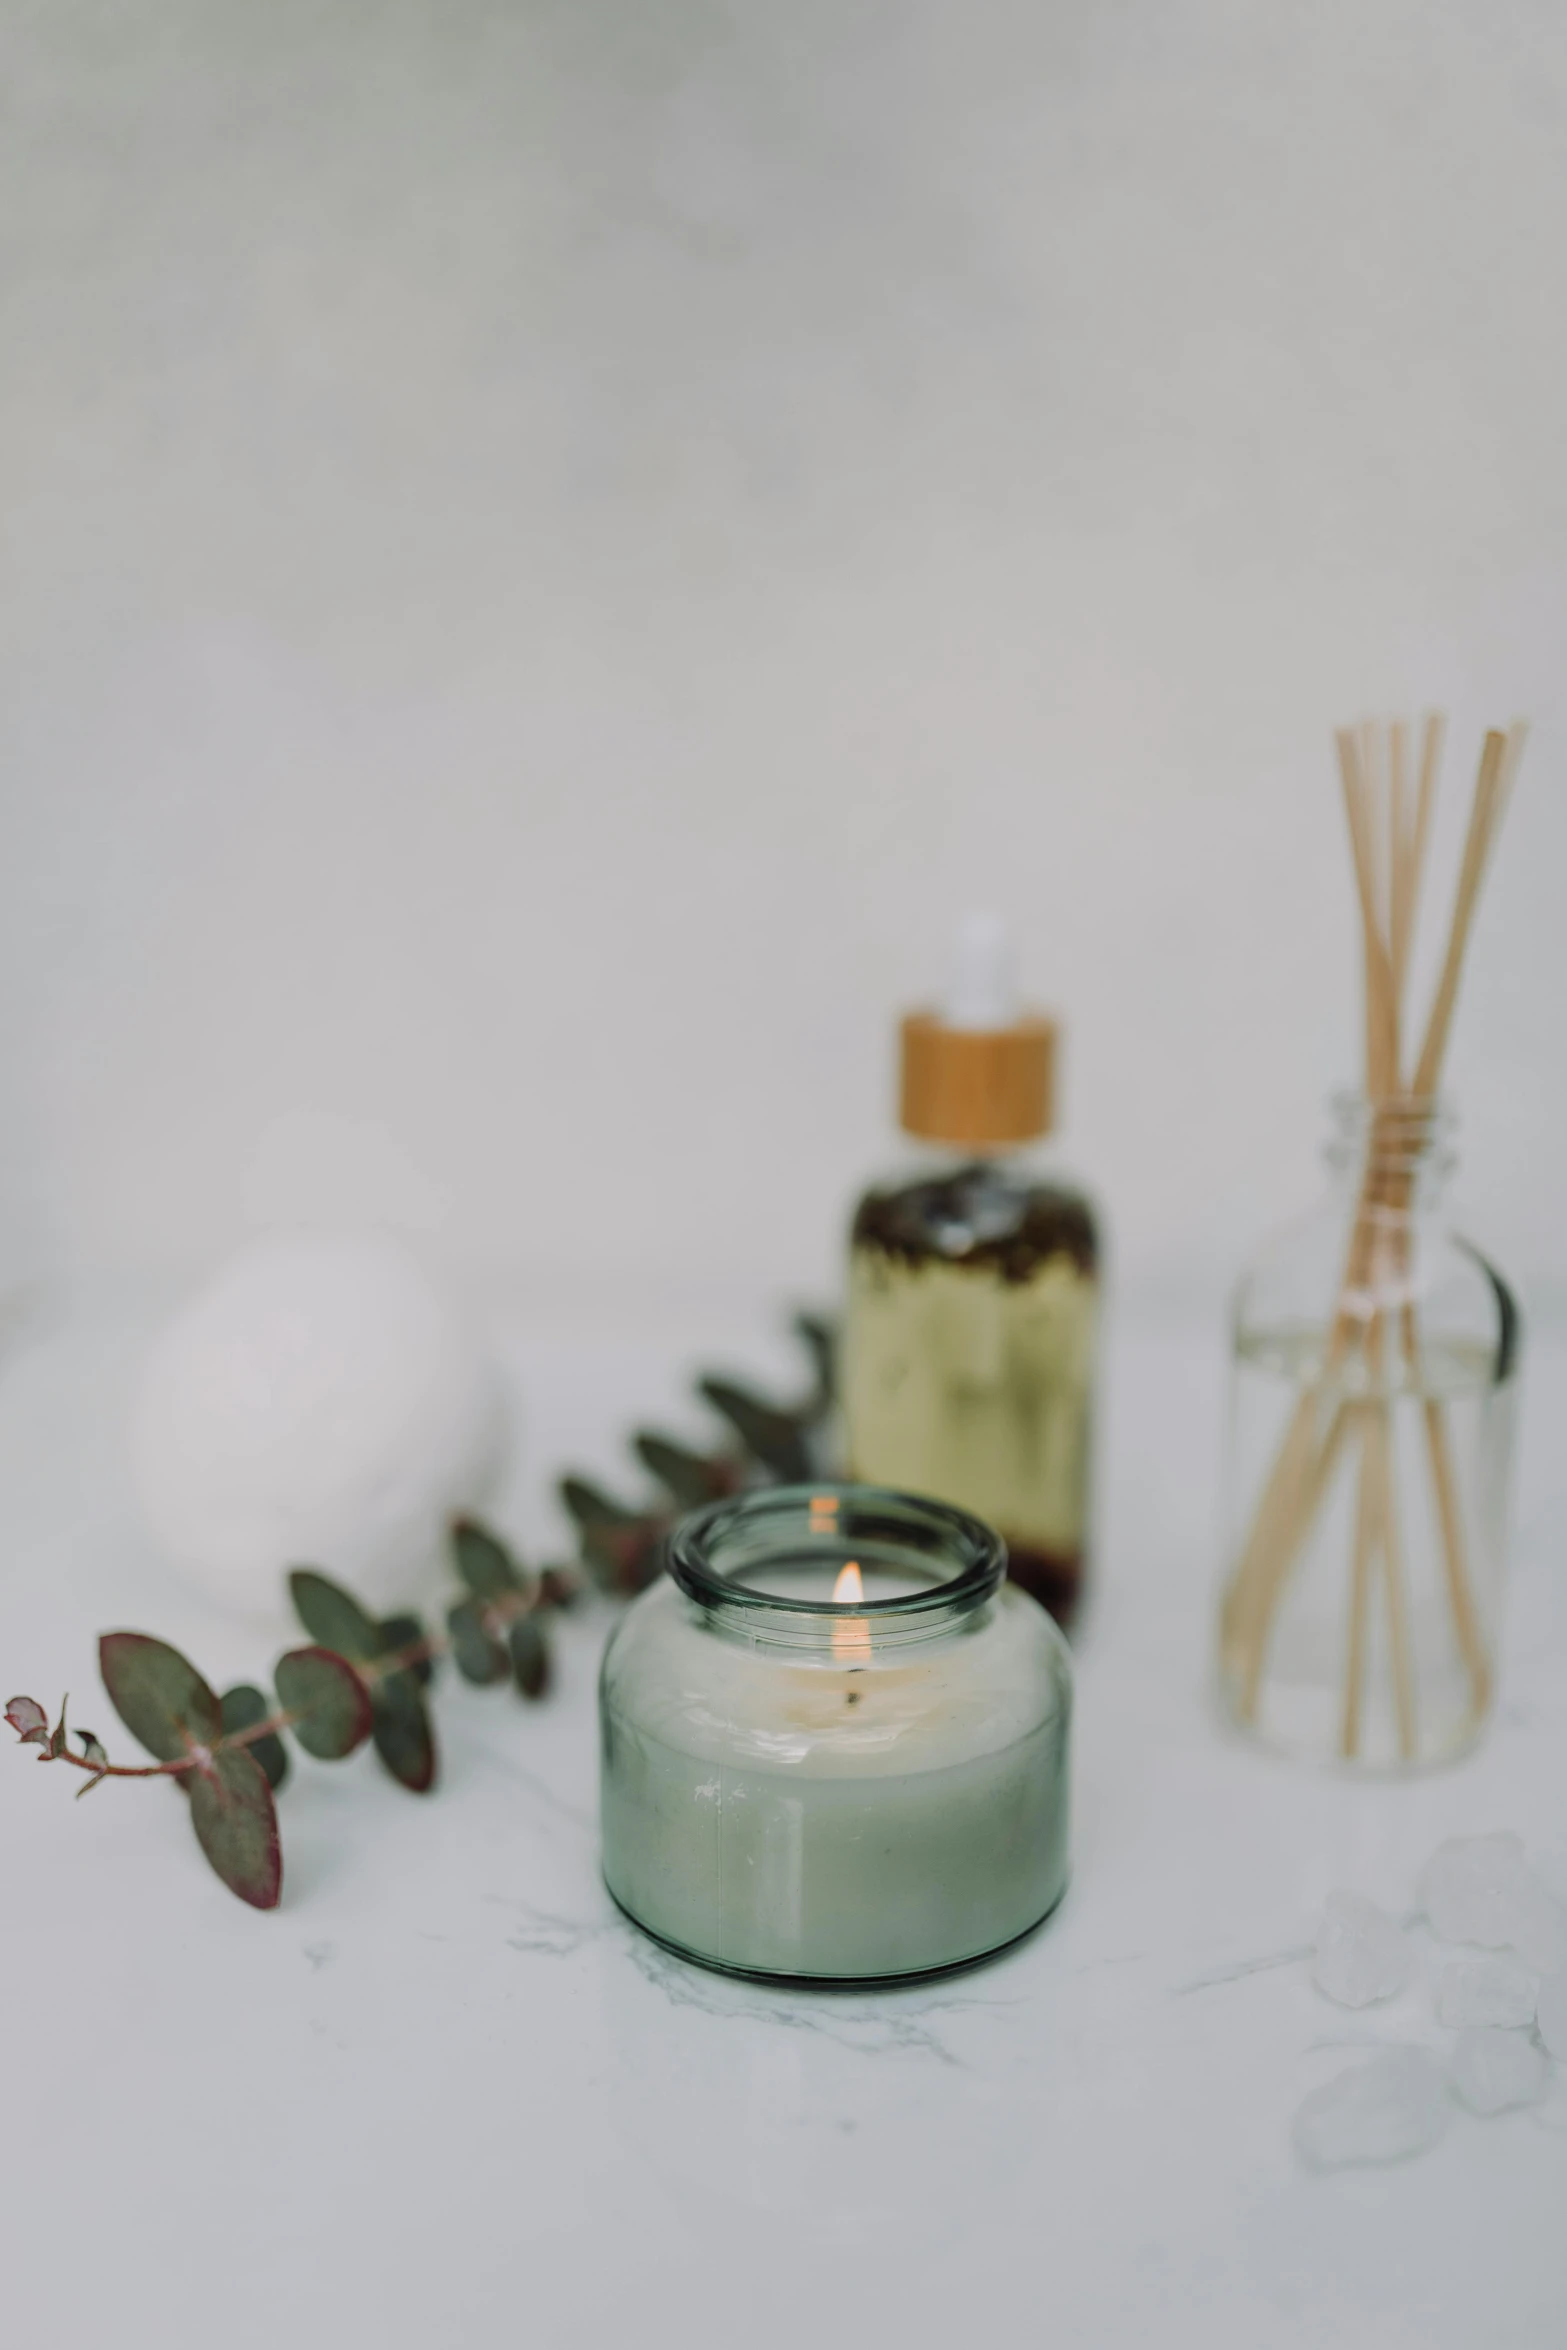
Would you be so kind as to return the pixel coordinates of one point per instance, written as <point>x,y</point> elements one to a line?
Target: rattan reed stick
<point>1359,1596</point>
<point>1389,841</point>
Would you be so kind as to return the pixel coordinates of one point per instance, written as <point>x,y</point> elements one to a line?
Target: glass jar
<point>835,1740</point>
<point>1375,1363</point>
<point>968,1351</point>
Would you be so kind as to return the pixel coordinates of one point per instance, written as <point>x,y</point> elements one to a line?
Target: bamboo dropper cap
<point>979,1072</point>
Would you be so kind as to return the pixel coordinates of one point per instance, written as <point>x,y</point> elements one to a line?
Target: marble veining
<point>883,2023</point>
<point>1240,1968</point>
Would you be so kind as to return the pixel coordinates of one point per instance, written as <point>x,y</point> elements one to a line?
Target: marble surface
<point>446,2089</point>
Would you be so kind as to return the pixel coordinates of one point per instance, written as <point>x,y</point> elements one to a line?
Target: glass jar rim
<point>857,1513</point>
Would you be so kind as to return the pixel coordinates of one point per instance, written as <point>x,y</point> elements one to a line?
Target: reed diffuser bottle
<point>973,1287</point>
<point>1375,1364</point>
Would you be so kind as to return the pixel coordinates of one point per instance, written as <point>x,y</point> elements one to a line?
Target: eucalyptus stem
<point>359,1679</point>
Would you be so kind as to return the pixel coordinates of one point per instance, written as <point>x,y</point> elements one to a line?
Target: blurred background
<point>549,550</point>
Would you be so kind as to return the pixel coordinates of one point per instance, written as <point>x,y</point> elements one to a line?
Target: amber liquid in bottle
<point>969,1355</point>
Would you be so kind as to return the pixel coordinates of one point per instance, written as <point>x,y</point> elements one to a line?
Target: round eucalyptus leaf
<point>235,1820</point>
<point>158,1694</point>
<point>331,1702</point>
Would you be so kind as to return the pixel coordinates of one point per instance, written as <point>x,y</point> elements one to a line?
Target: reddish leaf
<point>57,1744</point>
<point>159,1695</point>
<point>28,1719</point>
<point>235,1819</point>
<point>331,1701</point>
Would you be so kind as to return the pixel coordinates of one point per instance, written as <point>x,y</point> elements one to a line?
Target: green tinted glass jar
<point>835,1741</point>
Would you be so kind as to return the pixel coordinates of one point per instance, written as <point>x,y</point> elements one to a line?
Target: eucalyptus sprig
<point>362,1678</point>
<point>768,1443</point>
<point>358,1679</point>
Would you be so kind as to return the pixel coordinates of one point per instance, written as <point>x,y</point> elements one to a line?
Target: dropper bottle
<point>969,1338</point>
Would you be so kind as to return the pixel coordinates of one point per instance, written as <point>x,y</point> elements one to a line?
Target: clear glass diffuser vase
<point>1375,1364</point>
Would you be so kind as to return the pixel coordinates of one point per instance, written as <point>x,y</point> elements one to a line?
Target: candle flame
<point>851,1637</point>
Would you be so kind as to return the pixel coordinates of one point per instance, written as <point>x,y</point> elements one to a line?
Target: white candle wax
<point>775,1809</point>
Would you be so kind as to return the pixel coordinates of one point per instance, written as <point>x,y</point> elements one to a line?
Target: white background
<point>549,549</point>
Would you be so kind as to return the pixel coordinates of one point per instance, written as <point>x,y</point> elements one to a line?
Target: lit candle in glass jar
<point>835,1740</point>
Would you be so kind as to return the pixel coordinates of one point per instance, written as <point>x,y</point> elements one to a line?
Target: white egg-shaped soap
<point>324,1401</point>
